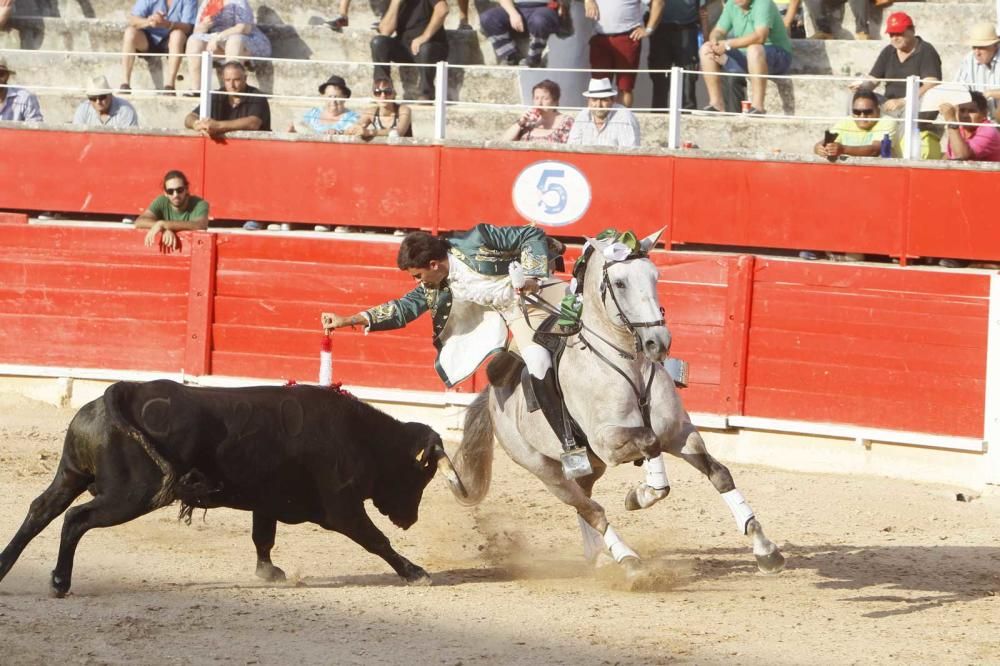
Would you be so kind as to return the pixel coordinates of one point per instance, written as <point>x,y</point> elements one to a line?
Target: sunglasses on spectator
<point>99,98</point>
<point>383,91</point>
<point>175,190</point>
<point>863,112</point>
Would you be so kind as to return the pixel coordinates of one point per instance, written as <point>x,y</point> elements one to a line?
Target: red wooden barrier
<point>91,298</point>
<point>92,172</point>
<point>898,210</point>
<point>885,347</point>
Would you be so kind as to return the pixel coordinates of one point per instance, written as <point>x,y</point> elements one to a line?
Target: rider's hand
<point>531,286</point>
<point>332,321</point>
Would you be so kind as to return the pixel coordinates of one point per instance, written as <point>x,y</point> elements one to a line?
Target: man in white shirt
<point>603,122</point>
<point>980,69</point>
<point>103,109</point>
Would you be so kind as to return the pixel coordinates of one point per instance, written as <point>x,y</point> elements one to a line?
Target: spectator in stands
<point>538,18</point>
<point>980,70</point>
<point>16,103</point>
<point>542,122</point>
<point>6,11</point>
<point>793,17</point>
<point>387,116</point>
<point>174,210</point>
<point>420,37</point>
<point>862,136</point>
<point>225,27</point>
<point>233,111</point>
<point>333,117</point>
<point>821,11</point>
<point>617,41</point>
<point>750,38</point>
<point>604,123</point>
<point>157,26</point>
<point>102,108</point>
<point>674,43</point>
<point>906,55</point>
<point>980,142</point>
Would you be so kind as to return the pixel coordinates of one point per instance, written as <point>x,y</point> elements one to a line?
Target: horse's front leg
<point>689,445</point>
<point>623,444</point>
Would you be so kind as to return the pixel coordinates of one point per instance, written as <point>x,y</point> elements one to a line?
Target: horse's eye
<point>619,284</point>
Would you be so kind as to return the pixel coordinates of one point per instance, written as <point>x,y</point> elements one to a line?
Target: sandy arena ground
<point>879,571</point>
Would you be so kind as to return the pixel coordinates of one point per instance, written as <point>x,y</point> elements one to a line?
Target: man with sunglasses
<point>862,135</point>
<point>906,55</point>
<point>16,103</point>
<point>174,210</point>
<point>102,108</point>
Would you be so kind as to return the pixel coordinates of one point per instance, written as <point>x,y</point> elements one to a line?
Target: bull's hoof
<point>771,563</point>
<point>269,572</point>
<point>418,578</point>
<point>59,588</point>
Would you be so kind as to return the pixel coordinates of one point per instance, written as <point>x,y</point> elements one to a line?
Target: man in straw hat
<point>979,69</point>
<point>16,103</point>
<point>603,122</point>
<point>102,108</point>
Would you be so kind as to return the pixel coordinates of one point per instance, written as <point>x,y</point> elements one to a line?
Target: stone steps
<point>944,22</point>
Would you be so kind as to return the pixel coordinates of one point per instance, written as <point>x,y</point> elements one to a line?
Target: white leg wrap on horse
<point>537,359</point>
<point>593,544</point>
<point>619,549</point>
<point>742,512</point>
<point>656,473</point>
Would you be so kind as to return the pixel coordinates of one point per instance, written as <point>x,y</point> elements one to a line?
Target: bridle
<point>629,324</point>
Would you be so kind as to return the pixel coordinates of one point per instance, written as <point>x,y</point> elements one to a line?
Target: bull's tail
<point>473,460</point>
<point>113,398</point>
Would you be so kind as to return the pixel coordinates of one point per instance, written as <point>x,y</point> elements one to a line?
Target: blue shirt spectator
<point>180,11</point>
<point>16,103</point>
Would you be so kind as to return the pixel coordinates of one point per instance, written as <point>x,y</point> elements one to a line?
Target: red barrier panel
<point>954,214</point>
<point>91,298</point>
<point>322,183</point>
<point>92,172</point>
<point>884,347</point>
<point>626,190</point>
<point>789,205</point>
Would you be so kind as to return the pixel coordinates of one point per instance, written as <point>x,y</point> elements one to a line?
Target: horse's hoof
<point>633,503</point>
<point>632,566</point>
<point>270,573</point>
<point>771,563</point>
<point>418,578</point>
<point>632,500</point>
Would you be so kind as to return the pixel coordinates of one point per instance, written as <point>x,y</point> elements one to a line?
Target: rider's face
<point>431,275</point>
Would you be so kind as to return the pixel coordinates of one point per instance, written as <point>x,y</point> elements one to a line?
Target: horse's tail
<point>473,461</point>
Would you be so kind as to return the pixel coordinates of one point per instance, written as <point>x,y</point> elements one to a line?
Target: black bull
<point>291,454</point>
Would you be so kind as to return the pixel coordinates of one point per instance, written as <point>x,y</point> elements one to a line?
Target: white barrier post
<point>910,130</point>
<point>205,108</point>
<point>440,95</point>
<point>676,100</point>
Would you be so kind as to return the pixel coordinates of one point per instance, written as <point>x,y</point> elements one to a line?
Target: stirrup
<point>576,462</point>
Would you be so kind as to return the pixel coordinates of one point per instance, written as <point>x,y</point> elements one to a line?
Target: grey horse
<point>625,402</point>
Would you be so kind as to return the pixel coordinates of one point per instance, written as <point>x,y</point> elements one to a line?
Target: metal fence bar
<point>676,101</point>
<point>911,131</point>
<point>440,96</point>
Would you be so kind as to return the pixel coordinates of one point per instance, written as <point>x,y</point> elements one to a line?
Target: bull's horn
<point>451,476</point>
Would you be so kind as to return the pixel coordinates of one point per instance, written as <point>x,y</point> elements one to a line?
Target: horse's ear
<point>649,242</point>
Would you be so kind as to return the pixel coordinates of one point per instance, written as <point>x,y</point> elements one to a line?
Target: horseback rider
<point>479,285</point>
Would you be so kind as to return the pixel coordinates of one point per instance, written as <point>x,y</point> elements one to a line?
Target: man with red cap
<point>906,55</point>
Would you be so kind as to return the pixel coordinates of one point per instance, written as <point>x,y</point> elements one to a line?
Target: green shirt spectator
<point>739,22</point>
<point>174,210</point>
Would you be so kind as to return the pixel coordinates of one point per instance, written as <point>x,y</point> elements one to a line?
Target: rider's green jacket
<point>486,249</point>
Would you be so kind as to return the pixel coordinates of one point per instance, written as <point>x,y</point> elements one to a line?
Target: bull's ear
<point>649,242</point>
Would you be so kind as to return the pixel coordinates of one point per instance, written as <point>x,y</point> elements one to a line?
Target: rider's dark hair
<point>419,249</point>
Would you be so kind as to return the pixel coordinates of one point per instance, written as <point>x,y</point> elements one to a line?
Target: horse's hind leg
<point>126,488</point>
<point>691,447</point>
<point>65,487</point>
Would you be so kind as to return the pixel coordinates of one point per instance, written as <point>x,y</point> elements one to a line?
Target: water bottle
<point>326,362</point>
<point>885,150</point>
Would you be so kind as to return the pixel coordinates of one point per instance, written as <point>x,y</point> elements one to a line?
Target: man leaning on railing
<point>102,108</point>
<point>174,210</point>
<point>231,109</point>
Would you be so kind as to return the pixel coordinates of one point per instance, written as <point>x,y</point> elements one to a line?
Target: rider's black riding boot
<point>551,404</point>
